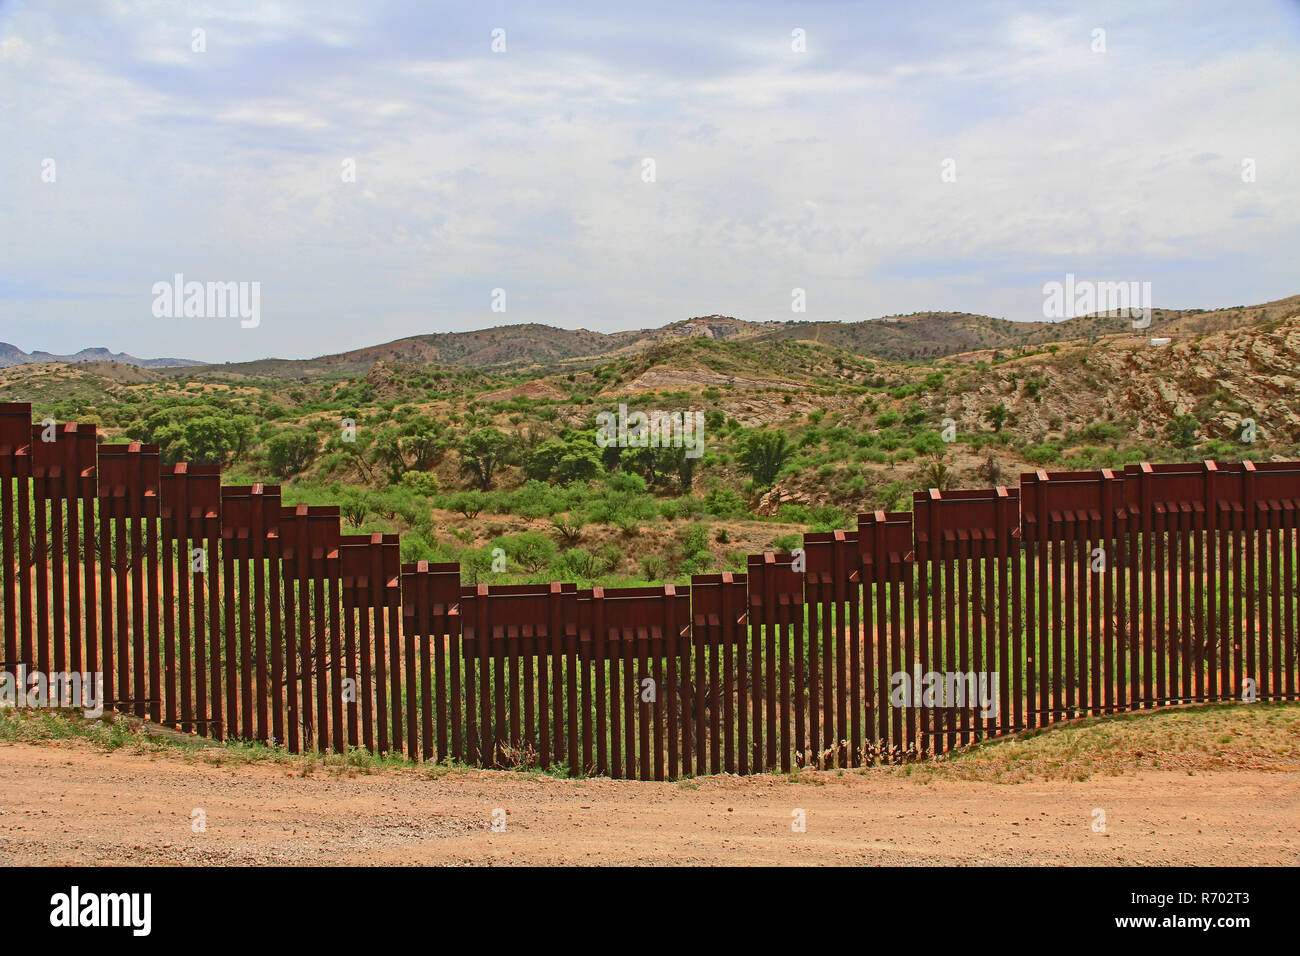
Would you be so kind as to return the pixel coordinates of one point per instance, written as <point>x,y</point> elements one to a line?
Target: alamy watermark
<point>179,299</point>
<point>1073,298</point>
<point>653,429</point>
<point>946,689</point>
<point>56,689</point>
<point>74,908</point>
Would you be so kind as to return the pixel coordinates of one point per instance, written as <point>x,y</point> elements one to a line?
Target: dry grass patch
<point>134,736</point>
<point>1212,737</point>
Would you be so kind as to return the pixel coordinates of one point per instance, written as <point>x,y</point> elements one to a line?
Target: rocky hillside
<point>503,347</point>
<point>1219,378</point>
<point>930,335</point>
<point>916,337</point>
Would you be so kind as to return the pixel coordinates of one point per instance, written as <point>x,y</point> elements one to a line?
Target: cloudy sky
<point>774,169</point>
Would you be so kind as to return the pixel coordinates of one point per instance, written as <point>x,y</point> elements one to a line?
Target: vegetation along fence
<point>214,609</point>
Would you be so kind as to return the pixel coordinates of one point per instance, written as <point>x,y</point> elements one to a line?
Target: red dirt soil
<point>73,804</point>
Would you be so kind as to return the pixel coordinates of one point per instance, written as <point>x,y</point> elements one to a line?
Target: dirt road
<point>72,804</point>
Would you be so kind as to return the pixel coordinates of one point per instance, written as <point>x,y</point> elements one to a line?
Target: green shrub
<point>568,526</point>
<point>1181,431</point>
<point>787,542</point>
<point>531,549</point>
<point>354,508</point>
<point>1044,454</point>
<point>725,503</point>
<point>468,503</point>
<point>535,499</point>
<point>421,482</point>
<point>1102,431</point>
<point>290,451</point>
<point>654,568</point>
<point>695,538</point>
<point>576,563</point>
<point>928,443</point>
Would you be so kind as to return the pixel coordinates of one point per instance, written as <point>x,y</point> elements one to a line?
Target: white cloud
<point>522,170</point>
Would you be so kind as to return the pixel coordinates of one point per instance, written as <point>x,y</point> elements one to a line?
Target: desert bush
<point>421,482</point>
<point>290,451</point>
<point>531,549</point>
<point>695,538</point>
<point>725,503</point>
<point>1181,431</point>
<point>576,563</point>
<point>787,542</point>
<point>354,508</point>
<point>927,443</point>
<point>468,503</point>
<point>568,526</point>
<point>482,454</point>
<point>654,567</point>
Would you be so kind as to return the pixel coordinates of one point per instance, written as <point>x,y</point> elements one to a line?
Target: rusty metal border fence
<point>216,610</point>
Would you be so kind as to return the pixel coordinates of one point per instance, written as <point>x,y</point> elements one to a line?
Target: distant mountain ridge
<point>533,343</point>
<point>920,336</point>
<point>11,355</point>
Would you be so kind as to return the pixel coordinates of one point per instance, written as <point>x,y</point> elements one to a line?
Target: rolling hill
<point>920,336</point>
